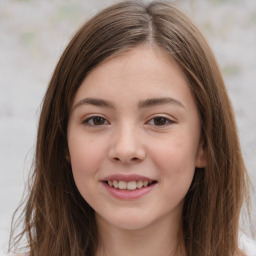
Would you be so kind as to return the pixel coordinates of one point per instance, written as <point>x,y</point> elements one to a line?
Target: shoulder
<point>247,244</point>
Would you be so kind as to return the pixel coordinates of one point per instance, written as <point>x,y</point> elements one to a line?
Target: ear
<point>67,156</point>
<point>201,158</point>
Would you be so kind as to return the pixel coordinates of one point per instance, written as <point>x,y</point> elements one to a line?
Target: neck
<point>161,238</point>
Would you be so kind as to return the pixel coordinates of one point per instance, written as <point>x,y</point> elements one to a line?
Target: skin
<point>160,141</point>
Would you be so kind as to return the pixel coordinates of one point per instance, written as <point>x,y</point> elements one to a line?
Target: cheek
<point>84,160</point>
<point>176,152</point>
<point>175,162</point>
<point>86,157</point>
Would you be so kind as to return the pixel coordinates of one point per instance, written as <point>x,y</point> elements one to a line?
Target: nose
<point>127,146</point>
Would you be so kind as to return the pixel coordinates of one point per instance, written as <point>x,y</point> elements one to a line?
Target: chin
<point>125,221</point>
<point>131,225</point>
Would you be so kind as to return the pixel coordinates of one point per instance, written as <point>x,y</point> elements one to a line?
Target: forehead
<point>138,62</point>
<point>136,74</point>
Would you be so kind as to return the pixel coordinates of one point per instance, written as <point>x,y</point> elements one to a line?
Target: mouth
<point>129,185</point>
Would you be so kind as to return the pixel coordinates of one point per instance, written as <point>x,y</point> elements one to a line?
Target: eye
<point>95,121</point>
<point>160,121</point>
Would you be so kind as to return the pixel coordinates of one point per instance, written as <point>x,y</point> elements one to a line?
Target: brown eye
<point>98,120</point>
<point>95,121</point>
<point>160,121</point>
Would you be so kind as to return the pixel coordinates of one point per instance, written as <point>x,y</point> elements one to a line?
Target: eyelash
<point>88,121</point>
<point>92,119</point>
<point>167,121</point>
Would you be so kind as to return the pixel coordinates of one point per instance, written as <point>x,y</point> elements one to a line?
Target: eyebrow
<point>94,102</point>
<point>159,101</point>
<point>142,104</point>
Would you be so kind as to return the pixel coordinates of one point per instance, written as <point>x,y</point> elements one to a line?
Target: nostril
<point>134,159</point>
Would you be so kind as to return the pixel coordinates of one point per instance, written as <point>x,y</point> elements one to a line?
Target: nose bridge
<point>127,145</point>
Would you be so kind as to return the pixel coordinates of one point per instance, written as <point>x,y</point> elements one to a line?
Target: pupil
<point>159,121</point>
<point>98,121</point>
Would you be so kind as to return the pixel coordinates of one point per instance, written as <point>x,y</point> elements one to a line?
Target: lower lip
<point>128,194</point>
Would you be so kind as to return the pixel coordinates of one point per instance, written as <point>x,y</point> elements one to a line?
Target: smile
<point>130,185</point>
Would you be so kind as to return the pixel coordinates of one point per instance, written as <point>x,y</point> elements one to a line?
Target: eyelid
<point>87,119</point>
<point>168,118</point>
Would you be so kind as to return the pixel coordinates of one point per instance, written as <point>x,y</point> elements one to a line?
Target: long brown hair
<point>57,220</point>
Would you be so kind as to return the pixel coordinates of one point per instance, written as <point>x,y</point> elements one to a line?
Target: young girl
<point>137,149</point>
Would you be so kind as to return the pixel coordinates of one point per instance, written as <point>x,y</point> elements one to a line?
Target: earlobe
<point>201,161</point>
<point>67,156</point>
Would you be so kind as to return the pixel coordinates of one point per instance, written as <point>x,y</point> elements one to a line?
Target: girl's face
<point>134,139</point>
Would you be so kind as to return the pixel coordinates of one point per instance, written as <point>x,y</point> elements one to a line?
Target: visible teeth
<point>131,185</point>
<point>115,183</point>
<point>139,184</point>
<point>122,185</point>
<point>145,183</point>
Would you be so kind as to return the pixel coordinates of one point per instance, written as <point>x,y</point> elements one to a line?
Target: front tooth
<point>110,183</point>
<point>140,184</point>
<point>122,185</point>
<point>145,183</point>
<point>115,183</point>
<point>131,185</point>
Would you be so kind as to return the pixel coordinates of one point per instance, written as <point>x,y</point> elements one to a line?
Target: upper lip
<point>127,178</point>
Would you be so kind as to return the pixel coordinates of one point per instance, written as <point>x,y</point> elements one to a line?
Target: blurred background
<point>33,34</point>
